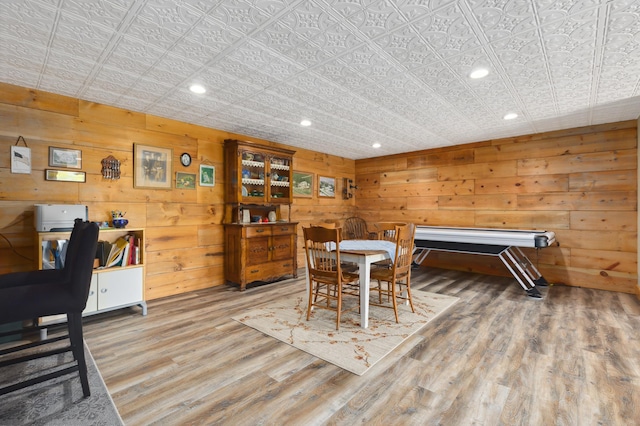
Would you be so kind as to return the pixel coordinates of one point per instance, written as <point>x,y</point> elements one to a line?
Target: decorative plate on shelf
<point>245,192</point>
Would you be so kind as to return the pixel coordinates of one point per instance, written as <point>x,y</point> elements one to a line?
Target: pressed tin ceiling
<point>392,72</point>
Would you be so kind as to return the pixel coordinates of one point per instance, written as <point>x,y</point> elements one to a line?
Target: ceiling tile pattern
<point>392,72</point>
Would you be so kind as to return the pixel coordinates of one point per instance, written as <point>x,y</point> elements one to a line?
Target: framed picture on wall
<point>63,157</point>
<point>302,184</point>
<point>153,167</point>
<point>185,180</point>
<point>65,176</point>
<point>21,160</point>
<point>326,186</point>
<point>207,175</point>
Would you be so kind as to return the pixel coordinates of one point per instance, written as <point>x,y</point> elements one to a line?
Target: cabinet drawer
<point>283,229</point>
<point>258,231</point>
<point>254,272</point>
<point>269,271</point>
<point>284,267</point>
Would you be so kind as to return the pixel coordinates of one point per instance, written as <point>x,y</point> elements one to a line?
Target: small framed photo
<point>65,175</point>
<point>302,184</point>
<point>20,160</point>
<point>326,187</point>
<point>207,175</point>
<point>63,157</point>
<point>153,167</point>
<point>185,180</point>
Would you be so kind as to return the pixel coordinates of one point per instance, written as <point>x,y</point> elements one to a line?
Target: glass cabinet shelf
<point>247,181</point>
<point>251,163</point>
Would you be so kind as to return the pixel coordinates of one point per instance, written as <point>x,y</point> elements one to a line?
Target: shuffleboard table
<point>502,243</point>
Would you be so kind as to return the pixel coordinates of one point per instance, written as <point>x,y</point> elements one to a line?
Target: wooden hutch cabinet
<point>260,239</point>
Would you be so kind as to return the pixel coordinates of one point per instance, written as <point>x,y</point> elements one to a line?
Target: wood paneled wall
<point>580,183</point>
<point>184,232</point>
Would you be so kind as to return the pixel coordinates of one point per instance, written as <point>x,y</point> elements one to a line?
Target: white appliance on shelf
<point>58,217</point>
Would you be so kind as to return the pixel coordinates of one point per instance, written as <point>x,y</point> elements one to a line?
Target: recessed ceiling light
<point>479,73</point>
<point>376,145</point>
<point>510,116</point>
<point>305,123</point>
<point>197,88</point>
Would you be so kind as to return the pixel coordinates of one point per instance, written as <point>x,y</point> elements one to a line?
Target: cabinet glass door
<point>253,177</point>
<point>280,174</point>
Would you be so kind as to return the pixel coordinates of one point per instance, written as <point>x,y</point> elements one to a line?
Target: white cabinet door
<point>116,288</point>
<point>92,301</point>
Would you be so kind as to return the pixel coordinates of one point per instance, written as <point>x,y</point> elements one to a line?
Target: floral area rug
<point>58,401</point>
<point>352,348</point>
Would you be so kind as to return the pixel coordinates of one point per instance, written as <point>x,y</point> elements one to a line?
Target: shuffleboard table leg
<point>534,293</point>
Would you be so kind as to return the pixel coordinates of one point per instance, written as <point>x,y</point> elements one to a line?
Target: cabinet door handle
<point>259,231</point>
<point>286,265</point>
<point>103,290</point>
<point>284,229</point>
<point>255,270</point>
<point>91,293</point>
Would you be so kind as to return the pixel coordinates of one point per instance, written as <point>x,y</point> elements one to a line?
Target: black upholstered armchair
<point>25,296</point>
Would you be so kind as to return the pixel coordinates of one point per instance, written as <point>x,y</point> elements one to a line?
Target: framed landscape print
<point>153,167</point>
<point>302,184</point>
<point>185,180</point>
<point>63,157</point>
<point>326,186</point>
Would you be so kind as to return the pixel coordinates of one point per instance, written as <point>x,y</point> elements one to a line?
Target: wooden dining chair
<point>385,231</point>
<point>394,282</point>
<point>346,266</point>
<point>331,224</point>
<point>327,280</point>
<point>355,228</point>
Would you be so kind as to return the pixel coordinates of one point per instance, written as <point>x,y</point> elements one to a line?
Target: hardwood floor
<point>495,357</point>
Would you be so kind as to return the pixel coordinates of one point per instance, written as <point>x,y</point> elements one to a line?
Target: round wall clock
<point>185,159</point>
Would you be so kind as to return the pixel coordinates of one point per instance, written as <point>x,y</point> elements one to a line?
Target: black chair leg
<point>71,327</point>
<point>74,322</point>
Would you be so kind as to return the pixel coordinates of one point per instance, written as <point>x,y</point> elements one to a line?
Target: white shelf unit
<point>111,288</point>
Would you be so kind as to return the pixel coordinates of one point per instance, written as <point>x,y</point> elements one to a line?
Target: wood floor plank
<point>596,400</point>
<point>495,357</point>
